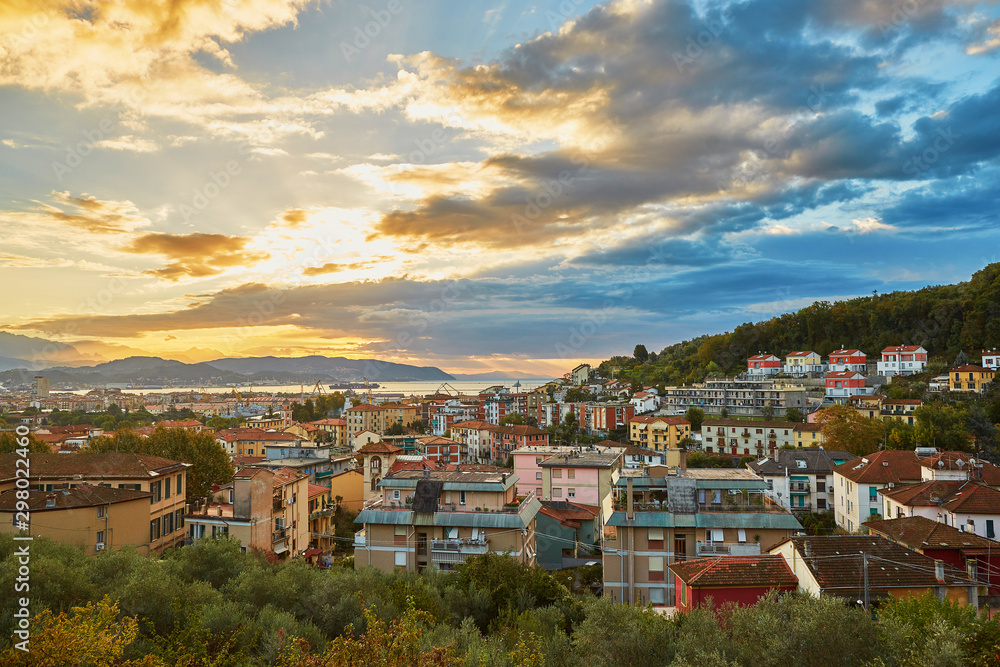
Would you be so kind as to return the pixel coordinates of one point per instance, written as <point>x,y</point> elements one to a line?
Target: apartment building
<point>763,365</point>
<point>255,441</point>
<point>364,417</point>
<point>801,480</point>
<point>842,385</point>
<point>477,438</point>
<point>165,480</point>
<point>661,519</point>
<point>334,430</point>
<point>241,510</point>
<point>968,506</point>
<point>659,433</point>
<point>505,439</point>
<point>290,513</point>
<point>970,378</point>
<point>991,359</point>
<point>809,435</point>
<point>321,508</point>
<point>740,398</point>
<point>437,519</point>
<point>746,438</point>
<point>581,476</point>
<point>93,518</point>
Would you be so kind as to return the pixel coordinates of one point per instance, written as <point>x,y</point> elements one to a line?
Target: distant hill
<point>497,375</point>
<point>258,370</point>
<point>944,319</point>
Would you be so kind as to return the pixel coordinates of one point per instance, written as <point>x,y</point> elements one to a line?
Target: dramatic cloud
<point>195,255</point>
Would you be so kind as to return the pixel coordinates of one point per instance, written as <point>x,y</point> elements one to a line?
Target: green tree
<point>640,354</point>
<point>794,415</point>
<point>513,419</point>
<point>11,442</point>
<point>696,416</point>
<point>845,428</point>
<point>943,426</point>
<point>767,412</point>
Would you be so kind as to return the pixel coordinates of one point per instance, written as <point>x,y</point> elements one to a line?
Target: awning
<point>280,549</point>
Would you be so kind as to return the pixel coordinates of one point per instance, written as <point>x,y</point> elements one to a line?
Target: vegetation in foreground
<point>210,604</point>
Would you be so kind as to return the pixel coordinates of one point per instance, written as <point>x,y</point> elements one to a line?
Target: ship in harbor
<point>342,386</point>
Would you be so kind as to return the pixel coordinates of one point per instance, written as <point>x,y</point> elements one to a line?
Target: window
<point>557,493</point>
<point>741,536</point>
<point>461,497</point>
<point>400,559</point>
<point>571,473</point>
<point>101,513</point>
<point>538,460</point>
<point>821,504</point>
<point>178,519</point>
<point>872,494</point>
<point>656,568</point>
<point>156,489</point>
<point>714,535</point>
<point>557,473</point>
<point>990,532</point>
<point>453,533</point>
<point>177,488</point>
<point>168,523</point>
<point>538,475</point>
<point>571,493</point>
<point>166,488</point>
<point>655,538</point>
<point>820,486</point>
<point>538,491</point>
<point>154,530</point>
<point>656,596</point>
<point>100,537</point>
<point>395,494</point>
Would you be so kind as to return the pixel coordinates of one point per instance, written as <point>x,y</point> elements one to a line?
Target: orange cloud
<point>195,255</point>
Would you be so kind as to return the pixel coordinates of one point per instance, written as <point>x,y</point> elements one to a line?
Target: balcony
<point>804,507</point>
<point>277,504</point>
<point>320,513</point>
<point>799,487</point>
<point>457,550</point>
<point>769,507</point>
<point>279,535</point>
<point>727,548</point>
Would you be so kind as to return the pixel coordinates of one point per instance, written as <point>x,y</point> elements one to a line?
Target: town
<point>724,490</point>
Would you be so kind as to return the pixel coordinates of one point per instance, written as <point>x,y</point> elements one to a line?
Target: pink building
<point>848,360</point>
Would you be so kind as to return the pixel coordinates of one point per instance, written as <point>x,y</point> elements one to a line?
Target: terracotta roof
<point>925,494</point>
<point>569,513</point>
<point>724,571</point>
<point>364,407</point>
<point>802,353</point>
<point>890,565</point>
<point>890,465</point>
<point>919,532</point>
<point>762,357</point>
<point>178,424</point>
<point>318,490</point>
<point>747,424</point>
<point>983,471</point>
<point>519,429</point>
<point>969,368</point>
<point>902,348</point>
<point>248,473</point>
<point>843,375</point>
<point>283,476</point>
<point>847,353</point>
<point>93,465</point>
<point>81,496</point>
<point>329,422</point>
<point>649,419</point>
<point>474,425</point>
<point>379,448</point>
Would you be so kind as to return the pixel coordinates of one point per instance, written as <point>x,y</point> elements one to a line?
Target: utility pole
<point>867,610</point>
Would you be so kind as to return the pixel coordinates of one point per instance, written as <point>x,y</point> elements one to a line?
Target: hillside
<point>944,319</point>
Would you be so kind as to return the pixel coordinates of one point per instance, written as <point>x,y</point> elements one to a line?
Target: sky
<point>482,185</point>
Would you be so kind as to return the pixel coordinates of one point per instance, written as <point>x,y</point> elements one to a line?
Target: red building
<point>978,556</point>
<point>841,385</point>
<point>763,364</point>
<point>848,360</point>
<point>442,450</point>
<point>506,439</point>
<point>739,579</point>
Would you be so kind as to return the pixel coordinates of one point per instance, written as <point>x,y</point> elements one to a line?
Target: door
<point>680,547</point>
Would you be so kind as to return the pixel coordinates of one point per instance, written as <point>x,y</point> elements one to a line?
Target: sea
<point>414,388</point>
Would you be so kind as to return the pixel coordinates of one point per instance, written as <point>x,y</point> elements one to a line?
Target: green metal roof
<point>495,487</point>
<point>734,484</point>
<point>465,519</point>
<point>749,520</point>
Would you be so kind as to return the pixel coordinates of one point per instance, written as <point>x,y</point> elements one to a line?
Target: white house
<point>643,402</point>
<point>902,360</point>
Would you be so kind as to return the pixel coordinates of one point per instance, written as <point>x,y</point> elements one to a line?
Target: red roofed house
<point>802,363</point>
<point>834,565</point>
<point>763,364</point>
<point>968,506</point>
<point>991,359</point>
<point>979,557</point>
<point>848,360</point>
<point>439,449</point>
<point>377,458</point>
<point>505,439</point>
<point>841,385</point>
<point>961,466</point>
<point>186,424</point>
<point>902,360</point>
<point>476,437</point>
<point>644,401</point>
<point>739,579</point>
<point>970,378</point>
<point>857,484</point>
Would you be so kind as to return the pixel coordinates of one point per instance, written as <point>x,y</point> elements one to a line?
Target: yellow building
<point>808,435</point>
<point>970,378</point>
<point>349,485</point>
<point>93,517</point>
<point>290,512</point>
<point>900,409</point>
<point>321,509</point>
<point>658,433</point>
<point>165,480</point>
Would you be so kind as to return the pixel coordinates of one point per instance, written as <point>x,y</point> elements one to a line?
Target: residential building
<point>970,378</point>
<point>902,360</point>
<point>662,518</point>
<point>991,359</point>
<point>93,518</point>
<point>935,464</point>
<point>803,363</point>
<point>801,480</point>
<point>528,464</point>
<point>746,438</point>
<point>968,506</point>
<point>477,438</point>
<point>335,431</point>
<point>809,435</point>
<point>442,450</point>
<point>659,433</point>
<point>847,360</point>
<point>364,417</point>
<point>192,425</point>
<point>977,556</point>
<point>377,459</point>
<point>740,398</point>
<point>867,405</point>
<point>763,365</point>
<point>899,409</point>
<point>741,580</point>
<point>437,519</point>
<point>165,480</point>
<point>349,486</point>
<point>857,484</point>
<point>566,534</point>
<point>643,401</point>
<point>505,439</point>
<point>290,512</point>
<point>255,441</point>
<point>833,565</point>
<point>581,475</point>
<point>321,508</point>
<point>580,374</point>
<point>243,511</point>
<point>604,416</point>
<point>841,385</point>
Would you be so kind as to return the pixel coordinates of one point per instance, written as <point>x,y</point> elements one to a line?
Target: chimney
<point>808,549</point>
<point>50,500</point>
<point>628,492</point>
<point>218,510</point>
<point>939,570</point>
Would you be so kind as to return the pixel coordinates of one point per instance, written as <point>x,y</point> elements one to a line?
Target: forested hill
<point>944,319</point>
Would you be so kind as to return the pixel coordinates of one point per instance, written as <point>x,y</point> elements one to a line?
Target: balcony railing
<point>457,550</point>
<point>799,487</point>
<point>727,548</point>
<point>804,507</point>
<point>320,513</point>
<point>741,507</point>
<point>279,534</point>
